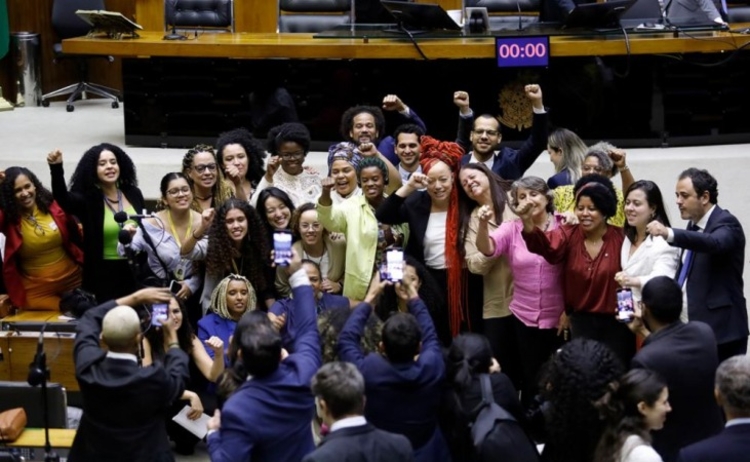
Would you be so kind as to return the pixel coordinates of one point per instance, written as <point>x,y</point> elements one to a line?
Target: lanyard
<point>119,202</point>
<point>174,230</point>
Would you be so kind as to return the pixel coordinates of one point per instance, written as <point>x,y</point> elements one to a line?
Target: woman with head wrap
<point>343,162</point>
<point>432,216</point>
<point>355,218</point>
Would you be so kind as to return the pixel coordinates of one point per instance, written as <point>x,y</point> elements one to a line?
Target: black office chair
<point>217,15</point>
<point>67,24</point>
<point>311,16</point>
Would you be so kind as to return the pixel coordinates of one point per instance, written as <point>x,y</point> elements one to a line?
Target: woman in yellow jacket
<point>355,219</point>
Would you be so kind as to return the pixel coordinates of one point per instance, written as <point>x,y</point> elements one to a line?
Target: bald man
<point>124,405</point>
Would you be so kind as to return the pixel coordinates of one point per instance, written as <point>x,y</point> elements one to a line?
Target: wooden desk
<point>34,438</point>
<point>304,46</point>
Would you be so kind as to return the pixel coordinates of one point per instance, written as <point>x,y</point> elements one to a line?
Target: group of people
<point>499,268</point>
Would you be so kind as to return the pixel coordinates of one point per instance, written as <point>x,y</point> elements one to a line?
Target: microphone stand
<point>174,35</point>
<point>49,454</point>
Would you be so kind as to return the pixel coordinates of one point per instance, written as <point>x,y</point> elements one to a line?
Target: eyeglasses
<point>486,132</point>
<point>200,168</point>
<point>292,155</point>
<point>177,191</point>
<point>308,226</point>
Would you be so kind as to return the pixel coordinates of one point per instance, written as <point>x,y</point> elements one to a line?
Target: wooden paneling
<point>446,4</point>
<point>255,15</point>
<point>303,46</point>
<point>35,16</point>
<point>150,14</point>
<point>21,352</point>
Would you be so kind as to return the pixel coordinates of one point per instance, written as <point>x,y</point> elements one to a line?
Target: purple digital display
<point>522,51</point>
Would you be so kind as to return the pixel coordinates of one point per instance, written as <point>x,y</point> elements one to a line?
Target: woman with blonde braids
<point>432,215</point>
<point>210,188</point>
<point>233,297</point>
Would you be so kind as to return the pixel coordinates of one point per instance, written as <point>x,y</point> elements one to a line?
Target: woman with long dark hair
<point>275,209</point>
<point>206,179</point>
<point>241,157</point>
<point>43,259</point>
<point>237,244</point>
<point>634,406</point>
<point>155,346</point>
<point>643,256</point>
<point>103,185</point>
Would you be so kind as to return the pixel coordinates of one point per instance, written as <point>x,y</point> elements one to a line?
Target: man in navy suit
<point>733,394</point>
<point>483,136</point>
<point>404,381</point>
<point>713,260</point>
<point>684,354</point>
<point>125,405</point>
<point>268,417</point>
<point>339,391</point>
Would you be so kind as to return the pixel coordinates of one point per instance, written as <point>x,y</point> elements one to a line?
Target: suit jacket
<point>685,356</point>
<point>387,145</point>
<point>701,10</point>
<point>214,325</point>
<point>401,398</point>
<point>714,283</point>
<point>509,163</point>
<point>413,210</point>
<point>290,331</point>
<point>90,211</point>
<point>124,405</point>
<point>363,443</point>
<point>654,257</point>
<point>732,444</point>
<point>268,418</point>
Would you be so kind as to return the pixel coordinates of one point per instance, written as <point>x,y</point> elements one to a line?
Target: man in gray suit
<point>682,11</point>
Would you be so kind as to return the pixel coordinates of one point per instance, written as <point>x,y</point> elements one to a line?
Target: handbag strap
<point>147,238</point>
<point>487,397</point>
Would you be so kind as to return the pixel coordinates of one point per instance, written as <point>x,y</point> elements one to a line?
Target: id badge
<point>181,269</point>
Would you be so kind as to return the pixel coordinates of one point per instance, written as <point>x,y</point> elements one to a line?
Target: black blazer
<point>714,282</point>
<point>363,443</point>
<point>732,444</point>
<point>415,211</point>
<point>124,405</point>
<point>90,211</point>
<point>509,163</point>
<point>685,355</point>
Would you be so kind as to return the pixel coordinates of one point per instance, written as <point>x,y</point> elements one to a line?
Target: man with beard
<point>482,138</point>
<point>408,149</point>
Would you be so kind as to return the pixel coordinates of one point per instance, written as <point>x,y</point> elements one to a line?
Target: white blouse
<point>434,241</point>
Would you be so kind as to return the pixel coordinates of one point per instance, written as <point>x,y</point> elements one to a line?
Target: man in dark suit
<point>481,137</point>
<point>713,260</point>
<point>339,391</point>
<point>404,381</point>
<point>267,418</point>
<point>684,354</point>
<point>125,405</point>
<point>733,394</point>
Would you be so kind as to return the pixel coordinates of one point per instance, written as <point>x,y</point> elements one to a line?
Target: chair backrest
<point>312,15</point>
<point>66,23</point>
<point>212,14</point>
<point>21,394</point>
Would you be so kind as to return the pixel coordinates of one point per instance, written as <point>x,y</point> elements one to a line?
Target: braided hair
<point>221,190</point>
<point>219,296</point>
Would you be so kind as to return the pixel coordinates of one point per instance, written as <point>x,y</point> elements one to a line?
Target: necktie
<point>687,260</point>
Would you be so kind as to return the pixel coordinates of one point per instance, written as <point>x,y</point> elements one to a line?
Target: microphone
<point>38,368</point>
<point>124,238</point>
<point>122,217</point>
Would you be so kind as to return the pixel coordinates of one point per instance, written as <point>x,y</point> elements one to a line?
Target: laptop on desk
<point>597,15</point>
<point>420,17</point>
<point>643,12</point>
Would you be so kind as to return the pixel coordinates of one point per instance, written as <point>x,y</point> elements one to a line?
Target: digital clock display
<point>522,51</point>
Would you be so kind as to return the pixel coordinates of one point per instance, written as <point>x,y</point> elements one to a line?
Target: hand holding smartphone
<point>282,247</point>
<point>625,306</point>
<point>158,312</point>
<point>392,267</point>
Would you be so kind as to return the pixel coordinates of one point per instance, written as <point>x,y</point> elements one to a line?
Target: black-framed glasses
<point>185,190</point>
<point>200,168</point>
<point>292,155</point>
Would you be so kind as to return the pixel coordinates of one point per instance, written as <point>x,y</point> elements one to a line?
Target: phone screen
<point>158,311</point>
<point>394,259</point>
<point>282,246</point>
<point>625,308</point>
<point>174,287</point>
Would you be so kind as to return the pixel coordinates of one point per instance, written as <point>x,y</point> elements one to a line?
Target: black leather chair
<point>310,16</point>
<point>505,13</point>
<point>67,24</point>
<point>199,14</point>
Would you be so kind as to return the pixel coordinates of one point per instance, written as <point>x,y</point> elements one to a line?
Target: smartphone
<point>282,247</point>
<point>625,308</point>
<point>158,311</point>
<point>175,287</point>
<point>394,259</point>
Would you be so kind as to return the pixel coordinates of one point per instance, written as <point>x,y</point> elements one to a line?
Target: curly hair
<point>574,379</point>
<point>600,190</point>
<point>221,190</point>
<point>291,132</point>
<point>185,336</point>
<point>253,148</point>
<point>276,193</point>
<point>601,151</point>
<point>85,180</point>
<point>219,296</point>
<point>372,162</point>
<point>347,120</point>
<point>619,408</point>
<point>8,196</point>
<point>254,250</point>
<point>466,205</point>
<point>331,323</point>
